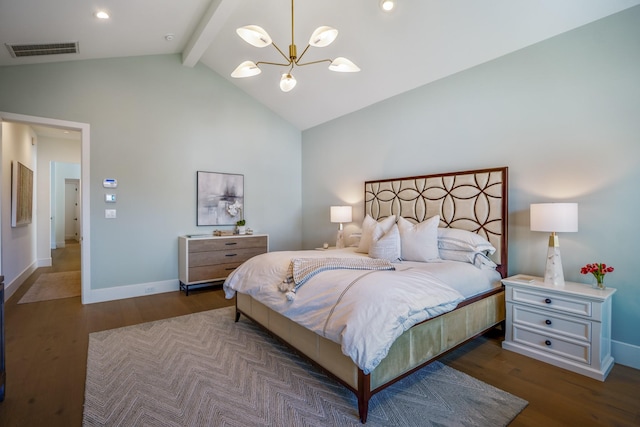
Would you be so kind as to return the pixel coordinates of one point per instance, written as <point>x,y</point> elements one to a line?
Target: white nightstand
<point>567,326</point>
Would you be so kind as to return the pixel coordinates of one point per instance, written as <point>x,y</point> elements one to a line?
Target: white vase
<point>241,229</point>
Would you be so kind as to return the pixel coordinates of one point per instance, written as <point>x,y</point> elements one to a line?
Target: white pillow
<point>479,259</point>
<point>386,246</point>
<point>419,241</point>
<point>369,226</point>
<point>462,240</point>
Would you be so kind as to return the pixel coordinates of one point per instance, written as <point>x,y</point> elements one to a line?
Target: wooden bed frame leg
<point>364,394</point>
<point>237,316</point>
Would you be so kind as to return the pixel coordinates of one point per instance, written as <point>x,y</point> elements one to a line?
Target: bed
<point>471,204</point>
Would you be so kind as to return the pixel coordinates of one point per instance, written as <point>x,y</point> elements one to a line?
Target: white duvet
<point>363,311</point>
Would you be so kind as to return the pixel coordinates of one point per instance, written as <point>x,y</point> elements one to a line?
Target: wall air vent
<point>39,49</point>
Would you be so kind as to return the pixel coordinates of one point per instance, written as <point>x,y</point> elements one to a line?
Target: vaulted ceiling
<point>420,41</point>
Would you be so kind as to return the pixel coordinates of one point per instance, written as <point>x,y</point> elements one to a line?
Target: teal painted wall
<point>563,115</point>
<point>154,123</point>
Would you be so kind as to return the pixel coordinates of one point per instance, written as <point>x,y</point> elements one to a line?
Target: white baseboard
<point>12,286</point>
<point>130,291</point>
<point>45,262</point>
<point>626,354</point>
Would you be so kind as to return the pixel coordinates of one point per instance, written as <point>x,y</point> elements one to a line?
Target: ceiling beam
<point>207,30</point>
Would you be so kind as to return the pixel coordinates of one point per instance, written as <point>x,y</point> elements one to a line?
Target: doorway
<point>71,209</point>
<point>83,224</point>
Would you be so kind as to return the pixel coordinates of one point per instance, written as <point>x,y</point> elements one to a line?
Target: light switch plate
<point>110,213</point>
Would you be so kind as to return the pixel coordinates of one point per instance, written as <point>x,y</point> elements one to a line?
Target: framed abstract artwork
<point>220,198</point>
<point>21,194</point>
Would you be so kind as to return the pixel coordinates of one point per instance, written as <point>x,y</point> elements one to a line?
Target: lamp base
<point>553,271</point>
<point>340,240</point>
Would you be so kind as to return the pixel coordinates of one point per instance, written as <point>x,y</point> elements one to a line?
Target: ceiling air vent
<point>40,49</point>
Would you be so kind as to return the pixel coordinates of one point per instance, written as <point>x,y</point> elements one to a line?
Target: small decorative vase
<point>599,283</point>
<point>241,229</point>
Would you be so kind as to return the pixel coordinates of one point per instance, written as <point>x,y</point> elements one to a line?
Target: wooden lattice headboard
<point>471,200</point>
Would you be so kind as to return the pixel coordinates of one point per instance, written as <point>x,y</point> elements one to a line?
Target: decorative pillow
<point>462,240</point>
<point>479,259</point>
<point>419,242</point>
<point>386,246</point>
<point>369,226</point>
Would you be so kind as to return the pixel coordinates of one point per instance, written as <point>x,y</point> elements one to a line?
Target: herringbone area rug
<point>206,370</point>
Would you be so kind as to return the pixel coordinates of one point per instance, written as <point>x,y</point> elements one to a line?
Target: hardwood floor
<point>47,354</point>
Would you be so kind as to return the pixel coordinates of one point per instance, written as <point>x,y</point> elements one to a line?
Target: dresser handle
<point>548,322</point>
<point>547,300</point>
<point>547,342</point>
<point>230,254</point>
<point>231,243</point>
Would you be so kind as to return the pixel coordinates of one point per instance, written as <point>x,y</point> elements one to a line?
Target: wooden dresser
<point>210,259</point>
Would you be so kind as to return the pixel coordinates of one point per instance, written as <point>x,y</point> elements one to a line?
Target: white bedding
<point>363,311</point>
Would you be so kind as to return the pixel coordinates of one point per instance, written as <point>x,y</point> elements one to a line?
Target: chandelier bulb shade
<point>287,82</point>
<point>254,35</point>
<point>321,37</point>
<point>343,65</point>
<point>246,69</point>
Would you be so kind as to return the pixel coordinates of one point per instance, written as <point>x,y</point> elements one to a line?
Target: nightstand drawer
<point>548,322</point>
<point>564,304</point>
<point>550,343</point>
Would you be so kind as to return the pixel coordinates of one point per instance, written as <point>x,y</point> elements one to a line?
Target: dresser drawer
<point>222,244</point>
<point>564,304</point>
<point>553,344</point>
<point>212,272</point>
<point>237,255</point>
<point>549,322</point>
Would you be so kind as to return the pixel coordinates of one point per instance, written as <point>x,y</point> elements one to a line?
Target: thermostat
<point>110,183</point>
<point>110,198</point>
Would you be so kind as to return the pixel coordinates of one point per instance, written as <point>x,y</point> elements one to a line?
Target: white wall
<point>154,124</point>
<point>18,243</point>
<point>563,115</point>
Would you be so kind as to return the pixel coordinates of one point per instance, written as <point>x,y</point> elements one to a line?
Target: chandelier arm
<point>302,54</point>
<point>315,62</point>
<point>274,63</point>
<point>289,60</point>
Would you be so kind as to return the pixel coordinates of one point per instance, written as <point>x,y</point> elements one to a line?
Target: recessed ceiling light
<point>102,15</point>
<point>387,5</point>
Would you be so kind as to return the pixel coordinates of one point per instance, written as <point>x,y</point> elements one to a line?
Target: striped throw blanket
<point>303,269</point>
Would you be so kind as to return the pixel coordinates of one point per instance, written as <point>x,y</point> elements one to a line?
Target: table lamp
<point>554,218</point>
<point>340,214</point>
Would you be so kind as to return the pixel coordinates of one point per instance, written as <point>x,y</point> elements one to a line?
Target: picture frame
<point>21,194</point>
<point>220,198</point>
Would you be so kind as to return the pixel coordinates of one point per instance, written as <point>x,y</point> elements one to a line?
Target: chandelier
<point>321,37</point>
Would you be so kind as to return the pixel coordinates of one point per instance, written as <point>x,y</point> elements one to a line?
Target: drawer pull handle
<point>231,254</point>
<point>547,300</point>
<point>231,243</point>
<point>230,268</point>
<point>547,342</point>
<point>548,322</point>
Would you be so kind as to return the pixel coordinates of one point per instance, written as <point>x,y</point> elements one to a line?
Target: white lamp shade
<point>323,36</point>
<point>341,214</point>
<point>287,82</point>
<point>343,65</point>
<point>254,35</point>
<point>246,69</point>
<point>554,217</point>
